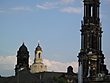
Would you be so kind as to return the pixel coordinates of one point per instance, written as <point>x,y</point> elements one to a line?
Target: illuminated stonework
<point>38,65</point>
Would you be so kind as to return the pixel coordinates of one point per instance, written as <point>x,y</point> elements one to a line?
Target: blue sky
<point>55,23</point>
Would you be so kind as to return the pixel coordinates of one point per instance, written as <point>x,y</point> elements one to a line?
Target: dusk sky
<point>55,23</point>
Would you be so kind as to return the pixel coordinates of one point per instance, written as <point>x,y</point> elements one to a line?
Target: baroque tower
<point>22,59</point>
<point>38,54</point>
<point>38,65</point>
<point>91,58</point>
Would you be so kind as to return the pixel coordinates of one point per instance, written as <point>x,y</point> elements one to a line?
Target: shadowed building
<point>91,57</point>
<point>22,59</point>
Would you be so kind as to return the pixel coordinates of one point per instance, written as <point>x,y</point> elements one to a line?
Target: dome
<point>70,70</point>
<point>38,48</point>
<point>23,48</point>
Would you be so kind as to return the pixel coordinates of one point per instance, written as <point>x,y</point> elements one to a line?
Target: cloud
<point>60,5</point>
<point>21,8</point>
<point>107,62</point>
<point>15,9</point>
<point>7,65</point>
<point>60,66</point>
<point>71,10</point>
<point>7,59</point>
<point>46,5</point>
<point>7,62</point>
<point>67,1</point>
<point>57,5</point>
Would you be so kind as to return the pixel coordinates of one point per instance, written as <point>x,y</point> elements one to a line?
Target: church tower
<point>38,54</point>
<point>38,65</point>
<point>22,59</point>
<point>91,58</point>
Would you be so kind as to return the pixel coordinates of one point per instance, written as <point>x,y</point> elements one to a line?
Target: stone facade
<point>38,67</point>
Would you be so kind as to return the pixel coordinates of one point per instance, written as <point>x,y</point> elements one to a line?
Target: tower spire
<point>38,42</point>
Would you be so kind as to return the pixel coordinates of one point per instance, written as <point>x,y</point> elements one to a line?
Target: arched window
<point>39,55</point>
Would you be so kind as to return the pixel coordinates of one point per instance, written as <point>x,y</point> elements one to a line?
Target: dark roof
<point>25,77</point>
<point>38,48</point>
<point>23,48</point>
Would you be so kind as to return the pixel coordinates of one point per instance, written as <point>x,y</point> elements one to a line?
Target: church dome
<point>70,70</point>
<point>38,48</point>
<point>23,48</point>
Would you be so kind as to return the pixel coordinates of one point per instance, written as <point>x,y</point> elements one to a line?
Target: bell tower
<point>38,65</point>
<point>38,54</point>
<point>91,57</point>
<point>22,59</point>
